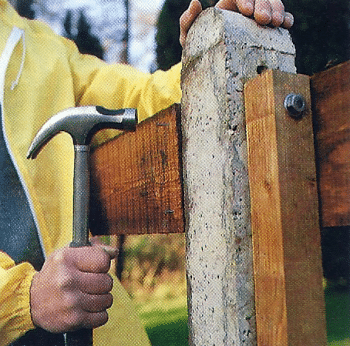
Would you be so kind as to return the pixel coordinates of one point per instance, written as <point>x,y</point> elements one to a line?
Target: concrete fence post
<point>223,50</point>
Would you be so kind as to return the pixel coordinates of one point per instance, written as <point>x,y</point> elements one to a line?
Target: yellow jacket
<point>41,74</point>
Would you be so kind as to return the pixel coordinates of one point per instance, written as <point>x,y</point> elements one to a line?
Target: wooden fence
<point>249,184</point>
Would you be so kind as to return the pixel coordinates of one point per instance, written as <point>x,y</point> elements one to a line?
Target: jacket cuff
<point>15,315</point>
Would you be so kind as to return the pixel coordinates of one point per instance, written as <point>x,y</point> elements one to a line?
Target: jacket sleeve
<point>122,86</point>
<point>118,85</point>
<point>15,281</point>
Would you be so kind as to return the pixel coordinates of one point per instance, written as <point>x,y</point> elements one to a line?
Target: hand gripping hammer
<point>81,123</point>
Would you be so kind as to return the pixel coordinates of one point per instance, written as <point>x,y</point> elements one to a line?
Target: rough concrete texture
<point>222,51</point>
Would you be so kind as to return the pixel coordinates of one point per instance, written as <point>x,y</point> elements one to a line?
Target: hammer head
<point>82,123</point>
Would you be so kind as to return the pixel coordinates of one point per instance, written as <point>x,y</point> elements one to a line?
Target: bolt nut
<point>295,104</point>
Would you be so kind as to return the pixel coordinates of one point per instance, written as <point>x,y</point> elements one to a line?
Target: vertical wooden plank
<point>285,222</point>
<point>331,111</point>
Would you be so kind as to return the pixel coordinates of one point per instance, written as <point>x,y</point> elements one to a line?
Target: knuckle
<point>183,17</point>
<point>57,258</point>
<point>288,20</point>
<point>64,280</point>
<point>102,303</point>
<point>182,39</point>
<point>277,20</point>
<point>101,259</point>
<point>277,6</point>
<point>71,302</point>
<point>105,265</point>
<point>61,256</point>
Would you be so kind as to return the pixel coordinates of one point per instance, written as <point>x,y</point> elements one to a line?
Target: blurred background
<point>145,34</point>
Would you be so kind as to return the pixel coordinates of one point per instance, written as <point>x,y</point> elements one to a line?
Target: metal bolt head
<point>295,104</point>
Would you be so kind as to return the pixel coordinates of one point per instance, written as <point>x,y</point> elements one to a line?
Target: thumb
<point>187,19</point>
<point>112,251</point>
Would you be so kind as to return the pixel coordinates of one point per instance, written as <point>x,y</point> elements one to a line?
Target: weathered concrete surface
<point>223,50</point>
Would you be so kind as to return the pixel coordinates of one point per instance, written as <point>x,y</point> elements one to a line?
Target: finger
<point>95,283</point>
<point>93,259</point>
<point>96,303</point>
<point>95,319</point>
<point>277,12</point>
<point>246,7</point>
<point>229,5</point>
<point>288,20</point>
<point>111,250</point>
<point>187,19</point>
<point>263,12</point>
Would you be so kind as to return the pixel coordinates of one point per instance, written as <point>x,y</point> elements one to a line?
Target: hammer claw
<point>82,123</point>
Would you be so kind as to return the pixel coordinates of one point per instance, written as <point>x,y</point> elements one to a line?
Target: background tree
<point>168,31</point>
<point>25,8</point>
<point>68,25</point>
<point>86,42</point>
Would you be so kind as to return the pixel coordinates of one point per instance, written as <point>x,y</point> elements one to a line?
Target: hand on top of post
<point>265,12</point>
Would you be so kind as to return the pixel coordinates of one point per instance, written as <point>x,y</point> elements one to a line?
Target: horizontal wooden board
<point>147,179</point>
<point>330,92</point>
<point>136,180</point>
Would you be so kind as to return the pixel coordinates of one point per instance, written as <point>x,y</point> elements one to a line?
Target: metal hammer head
<point>82,123</point>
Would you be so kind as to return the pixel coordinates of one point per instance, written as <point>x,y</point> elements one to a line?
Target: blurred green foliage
<point>151,260</point>
<point>320,33</point>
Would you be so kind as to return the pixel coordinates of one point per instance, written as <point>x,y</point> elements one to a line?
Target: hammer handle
<point>81,191</point>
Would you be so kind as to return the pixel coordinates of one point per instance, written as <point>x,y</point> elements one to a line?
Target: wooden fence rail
<point>136,180</point>
<point>330,93</point>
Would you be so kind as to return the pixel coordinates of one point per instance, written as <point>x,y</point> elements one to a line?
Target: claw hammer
<point>81,123</point>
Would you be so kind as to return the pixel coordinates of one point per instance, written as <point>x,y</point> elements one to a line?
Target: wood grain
<point>136,180</point>
<point>285,221</point>
<point>331,110</point>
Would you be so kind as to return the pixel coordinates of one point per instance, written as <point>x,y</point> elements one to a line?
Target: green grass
<point>166,322</point>
<point>345,342</point>
<point>338,317</point>
<point>170,334</point>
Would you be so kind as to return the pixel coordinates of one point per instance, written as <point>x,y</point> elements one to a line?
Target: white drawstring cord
<point>15,83</point>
